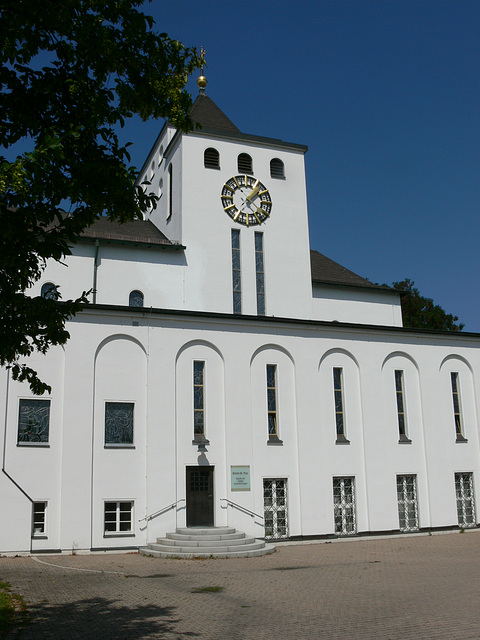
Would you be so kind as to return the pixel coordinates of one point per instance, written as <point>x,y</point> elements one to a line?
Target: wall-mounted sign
<point>240,478</point>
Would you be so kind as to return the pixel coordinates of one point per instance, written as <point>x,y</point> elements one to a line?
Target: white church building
<point>225,374</point>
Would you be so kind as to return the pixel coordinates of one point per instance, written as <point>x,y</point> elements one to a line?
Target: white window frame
<point>117,531</point>
<point>39,525</point>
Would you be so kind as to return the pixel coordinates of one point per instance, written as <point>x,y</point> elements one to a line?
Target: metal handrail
<point>252,513</point>
<point>170,506</point>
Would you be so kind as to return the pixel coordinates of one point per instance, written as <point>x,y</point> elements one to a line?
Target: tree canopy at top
<point>71,72</point>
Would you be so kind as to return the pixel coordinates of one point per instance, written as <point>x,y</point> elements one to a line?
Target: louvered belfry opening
<point>277,169</point>
<point>245,164</point>
<point>211,158</point>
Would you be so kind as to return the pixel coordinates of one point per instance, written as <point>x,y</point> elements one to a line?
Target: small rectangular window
<point>339,406</point>
<point>33,421</point>
<point>465,500</point>
<point>344,506</point>
<point>272,400</point>
<point>198,398</point>
<point>457,412</point>
<point>407,503</point>
<point>118,517</point>
<point>236,272</point>
<point>39,519</point>
<point>119,423</point>
<point>260,273</point>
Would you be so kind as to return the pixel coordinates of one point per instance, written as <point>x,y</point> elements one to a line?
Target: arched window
<point>277,169</point>
<point>49,291</point>
<point>211,159</point>
<point>135,299</point>
<point>245,164</point>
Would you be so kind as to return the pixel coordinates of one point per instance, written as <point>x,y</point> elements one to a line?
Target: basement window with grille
<point>211,159</point>
<point>245,164</point>
<point>277,169</point>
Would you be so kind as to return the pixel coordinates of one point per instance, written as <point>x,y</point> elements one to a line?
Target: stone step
<point>211,542</point>
<point>205,531</point>
<point>173,553</point>
<point>205,549</point>
<point>210,537</point>
<point>208,541</point>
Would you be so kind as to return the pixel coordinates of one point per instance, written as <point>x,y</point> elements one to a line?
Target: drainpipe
<point>95,267</point>
<point>5,454</point>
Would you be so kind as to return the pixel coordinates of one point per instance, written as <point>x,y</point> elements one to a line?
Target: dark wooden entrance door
<point>200,496</point>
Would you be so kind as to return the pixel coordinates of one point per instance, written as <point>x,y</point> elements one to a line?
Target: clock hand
<point>254,192</point>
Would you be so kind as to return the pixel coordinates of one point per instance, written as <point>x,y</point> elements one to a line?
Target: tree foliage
<point>71,73</point>
<point>422,313</point>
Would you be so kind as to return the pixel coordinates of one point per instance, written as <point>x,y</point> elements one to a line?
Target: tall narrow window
<point>245,164</point>
<point>344,506</point>
<point>236,272</point>
<point>198,399</point>
<point>272,400</point>
<point>407,503</point>
<point>260,273</point>
<point>402,420</point>
<point>457,413</point>
<point>33,421</point>
<point>170,192</point>
<point>119,423</point>
<point>339,408</point>
<point>275,508</point>
<point>39,519</point>
<point>465,500</point>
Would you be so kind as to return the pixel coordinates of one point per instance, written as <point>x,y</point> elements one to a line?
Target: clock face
<point>246,200</point>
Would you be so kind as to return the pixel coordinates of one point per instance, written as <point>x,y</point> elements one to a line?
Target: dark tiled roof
<point>137,231</point>
<point>208,115</point>
<point>327,271</point>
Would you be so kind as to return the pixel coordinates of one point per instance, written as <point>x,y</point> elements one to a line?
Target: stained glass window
<point>199,398</point>
<point>135,299</point>
<point>456,404</point>
<point>272,399</point>
<point>338,397</point>
<point>119,422</point>
<point>236,272</point>
<point>260,273</point>
<point>33,420</point>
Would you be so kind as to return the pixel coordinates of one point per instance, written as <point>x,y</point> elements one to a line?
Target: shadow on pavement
<point>100,618</point>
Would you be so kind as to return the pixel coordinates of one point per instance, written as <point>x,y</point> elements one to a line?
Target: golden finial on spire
<point>202,81</point>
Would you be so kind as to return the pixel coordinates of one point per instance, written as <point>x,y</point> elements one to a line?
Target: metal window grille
<point>344,506</point>
<point>236,272</point>
<point>33,420</point>
<point>465,499</point>
<point>402,422</point>
<point>245,164</point>
<point>260,273</point>
<point>407,503</point>
<point>338,398</point>
<point>199,398</point>
<point>277,169</point>
<point>135,299</point>
<point>211,158</point>
<point>118,517</point>
<point>456,404</point>
<point>119,422</point>
<point>275,508</point>
<point>39,513</point>
<point>272,399</point>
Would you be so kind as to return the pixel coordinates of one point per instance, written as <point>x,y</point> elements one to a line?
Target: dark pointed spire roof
<point>209,116</point>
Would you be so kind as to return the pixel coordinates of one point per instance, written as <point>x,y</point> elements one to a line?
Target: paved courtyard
<point>409,587</point>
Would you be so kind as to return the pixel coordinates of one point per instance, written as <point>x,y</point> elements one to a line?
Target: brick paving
<point>409,587</point>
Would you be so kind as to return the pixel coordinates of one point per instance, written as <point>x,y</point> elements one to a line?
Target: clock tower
<point>237,203</point>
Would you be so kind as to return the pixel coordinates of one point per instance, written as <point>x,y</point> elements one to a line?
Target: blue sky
<point>386,95</point>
